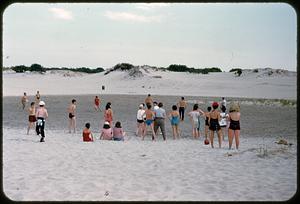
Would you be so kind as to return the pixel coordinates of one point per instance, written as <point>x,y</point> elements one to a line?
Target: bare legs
<point>236,135</point>
<point>30,125</point>
<point>140,129</point>
<point>211,137</point>
<point>72,124</point>
<point>175,132</point>
<point>152,130</point>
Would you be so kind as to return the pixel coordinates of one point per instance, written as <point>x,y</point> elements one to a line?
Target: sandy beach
<point>66,169</point>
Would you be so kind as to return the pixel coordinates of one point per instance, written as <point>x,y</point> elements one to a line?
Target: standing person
<point>106,133</point>
<point>223,121</point>
<point>174,118</point>
<point>149,121</point>
<point>32,118</point>
<point>24,100</point>
<point>223,102</point>
<point>87,135</point>
<point>159,120</point>
<point>72,118</point>
<point>206,121</point>
<point>140,120</point>
<point>118,133</point>
<point>41,115</point>
<point>213,120</point>
<point>155,105</point>
<point>234,126</point>
<point>108,114</point>
<point>182,106</point>
<point>97,102</point>
<point>195,120</point>
<point>149,100</point>
<point>37,97</point>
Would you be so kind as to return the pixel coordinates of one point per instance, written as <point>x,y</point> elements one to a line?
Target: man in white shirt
<point>159,121</point>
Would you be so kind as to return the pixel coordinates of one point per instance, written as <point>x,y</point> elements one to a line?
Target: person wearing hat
<point>106,133</point>
<point>41,115</point>
<point>213,120</point>
<point>140,120</point>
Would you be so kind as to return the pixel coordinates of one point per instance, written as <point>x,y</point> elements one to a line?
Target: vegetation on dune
<point>237,71</point>
<point>184,68</point>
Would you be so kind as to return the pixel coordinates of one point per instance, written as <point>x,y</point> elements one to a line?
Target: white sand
<point>249,85</point>
<point>65,168</point>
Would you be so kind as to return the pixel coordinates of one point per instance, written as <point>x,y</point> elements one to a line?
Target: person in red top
<point>97,103</point>
<point>87,135</point>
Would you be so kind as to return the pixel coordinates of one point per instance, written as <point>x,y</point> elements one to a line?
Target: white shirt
<point>155,107</point>
<point>195,115</point>
<point>223,121</point>
<point>223,102</point>
<point>140,114</point>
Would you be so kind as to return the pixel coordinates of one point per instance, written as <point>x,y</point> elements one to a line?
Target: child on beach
<point>224,119</point>
<point>195,120</point>
<point>149,121</point>
<point>213,120</point>
<point>234,126</point>
<point>32,118</point>
<point>106,133</point>
<point>118,133</point>
<point>174,119</point>
<point>140,120</point>
<point>87,135</point>
<point>24,100</point>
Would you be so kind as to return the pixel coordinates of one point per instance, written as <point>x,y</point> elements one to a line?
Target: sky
<point>199,35</point>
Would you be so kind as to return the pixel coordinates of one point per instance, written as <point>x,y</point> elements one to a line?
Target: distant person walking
<point>149,121</point>
<point>182,106</point>
<point>87,135</point>
<point>213,120</point>
<point>37,97</point>
<point>149,100</point>
<point>24,100</point>
<point>234,126</point>
<point>174,119</point>
<point>71,115</point>
<point>108,114</point>
<point>159,120</point>
<point>140,118</point>
<point>32,117</point>
<point>97,102</point>
<point>41,115</point>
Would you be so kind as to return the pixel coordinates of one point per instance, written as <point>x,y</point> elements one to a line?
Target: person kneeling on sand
<point>106,133</point>
<point>87,135</point>
<point>118,133</point>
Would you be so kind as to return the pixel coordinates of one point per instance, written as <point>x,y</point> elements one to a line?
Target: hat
<point>106,123</point>
<point>41,103</point>
<point>215,104</point>
<point>141,106</point>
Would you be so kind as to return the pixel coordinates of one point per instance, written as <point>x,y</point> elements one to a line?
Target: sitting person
<point>106,133</point>
<point>87,134</point>
<point>118,133</point>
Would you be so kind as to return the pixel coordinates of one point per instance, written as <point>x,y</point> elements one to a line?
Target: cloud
<point>126,16</point>
<point>150,6</point>
<point>61,13</point>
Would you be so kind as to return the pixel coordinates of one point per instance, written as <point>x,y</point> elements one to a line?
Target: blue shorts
<point>148,122</point>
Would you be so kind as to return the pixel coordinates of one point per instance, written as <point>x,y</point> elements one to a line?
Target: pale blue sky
<point>225,35</point>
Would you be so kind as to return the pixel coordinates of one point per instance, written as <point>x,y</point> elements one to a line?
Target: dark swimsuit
<point>234,125</point>
<point>71,115</point>
<point>206,121</point>
<point>214,124</point>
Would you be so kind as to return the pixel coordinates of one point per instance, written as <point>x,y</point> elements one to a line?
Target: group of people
<point>151,116</point>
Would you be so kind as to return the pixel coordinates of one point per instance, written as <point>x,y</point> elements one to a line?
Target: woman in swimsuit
<point>32,118</point>
<point>174,118</point>
<point>24,100</point>
<point>87,135</point>
<point>97,103</point>
<point>234,126</point>
<point>149,121</point>
<point>37,97</point>
<point>213,120</point>
<point>108,114</point>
